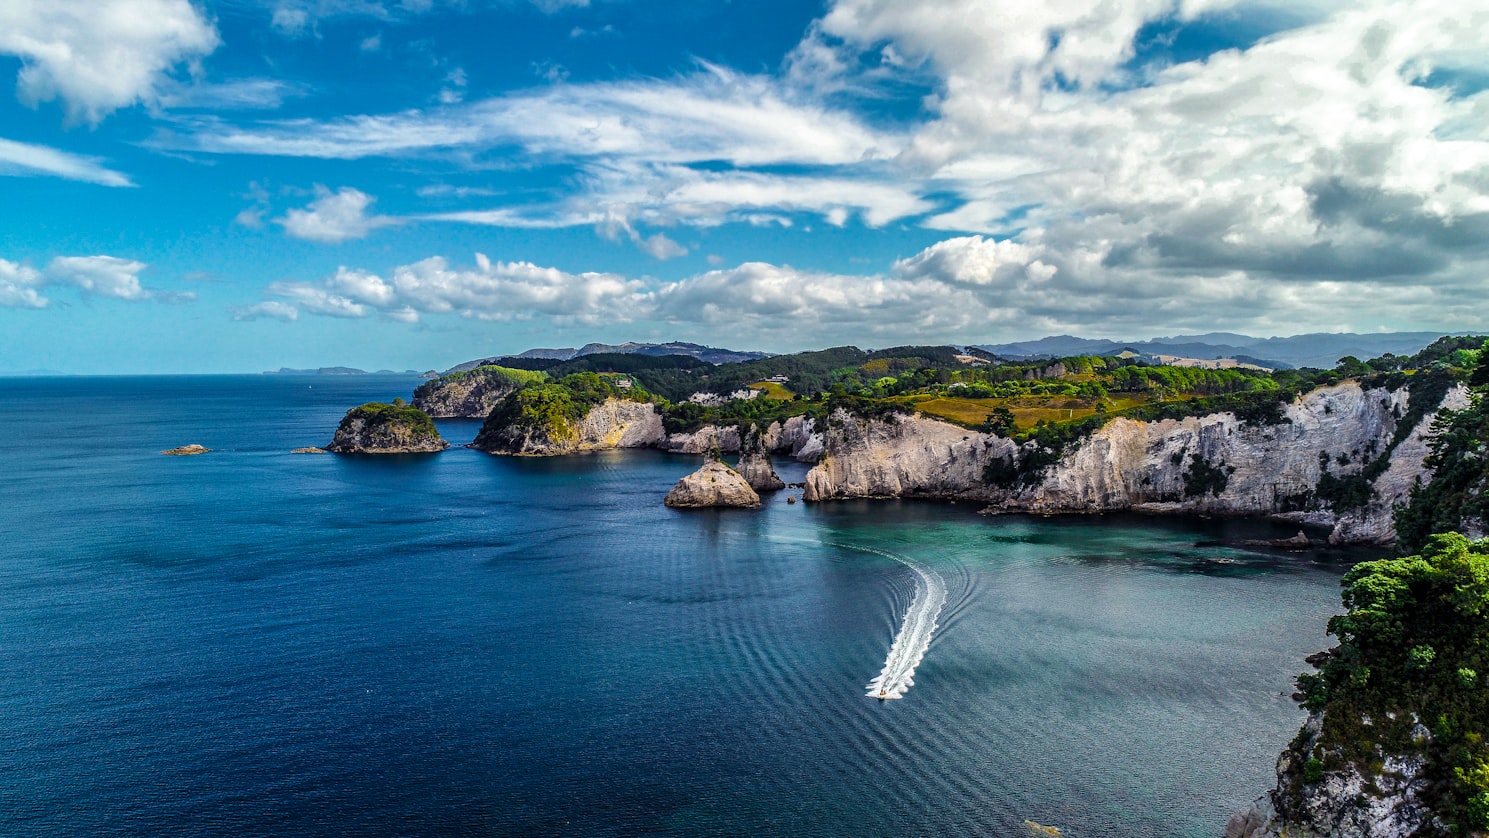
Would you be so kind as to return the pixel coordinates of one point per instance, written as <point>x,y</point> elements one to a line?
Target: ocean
<point>252,642</point>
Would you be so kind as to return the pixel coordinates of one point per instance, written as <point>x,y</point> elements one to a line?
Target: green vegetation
<point>1050,403</point>
<point>554,407</point>
<point>1413,639</point>
<point>378,414</point>
<point>1459,461</point>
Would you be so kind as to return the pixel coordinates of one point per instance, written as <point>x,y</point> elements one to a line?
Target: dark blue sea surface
<point>252,642</point>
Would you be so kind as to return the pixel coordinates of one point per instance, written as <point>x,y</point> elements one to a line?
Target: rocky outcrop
<point>186,451</point>
<point>715,484</point>
<point>1215,464</point>
<point>613,423</point>
<point>903,456</point>
<point>754,463</point>
<point>376,428</point>
<point>468,394</point>
<point>1342,803</point>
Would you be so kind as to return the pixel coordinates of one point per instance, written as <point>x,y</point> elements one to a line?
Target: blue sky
<point>245,184</point>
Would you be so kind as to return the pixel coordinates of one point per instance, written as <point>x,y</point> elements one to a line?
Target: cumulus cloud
<point>97,56</point>
<point>1112,184</point>
<point>334,217</point>
<point>105,276</point>
<point>19,286</point>
<point>965,289</point>
<point>25,159</point>
<point>489,291</point>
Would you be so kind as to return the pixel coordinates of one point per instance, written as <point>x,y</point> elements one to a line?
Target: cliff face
<point>468,396</point>
<point>386,429</point>
<point>614,423</point>
<point>1212,464</point>
<point>906,456</point>
<point>707,438</point>
<point>1342,803</point>
<point>797,437</point>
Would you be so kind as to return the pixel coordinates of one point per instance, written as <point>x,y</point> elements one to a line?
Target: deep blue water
<point>251,642</point>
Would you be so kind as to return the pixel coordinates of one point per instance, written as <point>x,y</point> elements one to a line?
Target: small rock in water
<point>310,450</point>
<point>1297,542</point>
<point>1041,829</point>
<point>790,500</point>
<point>186,450</point>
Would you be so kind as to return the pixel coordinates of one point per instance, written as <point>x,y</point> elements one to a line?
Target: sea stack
<point>376,428</point>
<point>754,463</point>
<point>715,484</point>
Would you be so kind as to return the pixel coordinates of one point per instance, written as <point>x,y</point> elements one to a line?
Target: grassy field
<point>773,391</point>
<point>1027,410</point>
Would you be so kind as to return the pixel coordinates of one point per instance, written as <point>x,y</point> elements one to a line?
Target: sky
<point>230,186</point>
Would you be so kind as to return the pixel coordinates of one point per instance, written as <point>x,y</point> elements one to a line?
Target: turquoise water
<point>251,642</point>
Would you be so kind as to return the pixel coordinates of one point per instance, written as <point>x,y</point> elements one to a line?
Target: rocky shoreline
<point>1218,464</point>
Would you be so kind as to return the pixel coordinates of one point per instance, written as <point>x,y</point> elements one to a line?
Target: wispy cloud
<point>234,95</point>
<point>24,159</point>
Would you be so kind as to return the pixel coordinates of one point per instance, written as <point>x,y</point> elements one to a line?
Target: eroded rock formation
<point>715,484</point>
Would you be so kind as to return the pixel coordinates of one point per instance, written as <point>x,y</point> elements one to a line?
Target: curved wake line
<point>914,636</point>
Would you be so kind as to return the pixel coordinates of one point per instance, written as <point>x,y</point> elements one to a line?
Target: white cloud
<point>372,43</point>
<point>105,276</point>
<point>25,159</point>
<point>966,289</point>
<point>274,309</point>
<point>490,291</point>
<point>290,22</point>
<point>1322,157</point>
<point>552,6</point>
<point>21,286</point>
<point>713,115</point>
<point>97,56</point>
<point>237,94</point>
<point>18,286</point>
<point>334,217</point>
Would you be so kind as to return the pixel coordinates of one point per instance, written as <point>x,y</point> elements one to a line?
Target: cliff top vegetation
<point>376,414</point>
<point>1409,677</point>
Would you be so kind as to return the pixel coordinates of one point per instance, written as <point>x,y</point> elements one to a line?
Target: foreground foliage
<point>1413,649</point>
<point>1459,461</point>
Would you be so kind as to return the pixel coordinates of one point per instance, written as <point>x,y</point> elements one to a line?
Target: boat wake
<point>914,637</point>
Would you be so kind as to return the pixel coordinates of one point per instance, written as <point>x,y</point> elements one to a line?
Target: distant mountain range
<point>1320,350</point>
<point>709,354</point>
<point>703,353</point>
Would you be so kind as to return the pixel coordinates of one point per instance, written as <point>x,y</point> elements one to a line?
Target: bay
<point>251,642</point>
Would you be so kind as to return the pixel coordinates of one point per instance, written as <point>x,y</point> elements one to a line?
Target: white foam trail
<point>915,632</point>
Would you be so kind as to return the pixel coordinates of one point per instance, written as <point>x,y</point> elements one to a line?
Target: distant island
<point>335,371</point>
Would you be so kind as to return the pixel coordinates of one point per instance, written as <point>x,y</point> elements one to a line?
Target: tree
<point>1000,422</point>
